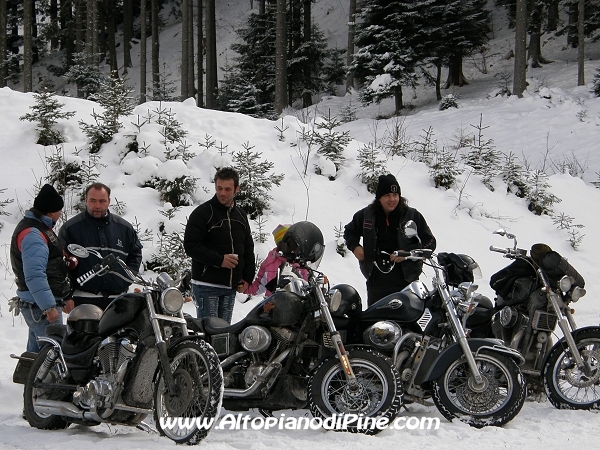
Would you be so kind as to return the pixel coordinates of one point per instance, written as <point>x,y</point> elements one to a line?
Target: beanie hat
<point>48,200</point>
<point>279,232</point>
<point>387,184</point>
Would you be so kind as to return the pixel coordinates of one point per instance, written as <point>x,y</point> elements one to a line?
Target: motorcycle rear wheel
<point>31,393</point>
<point>198,374</point>
<point>379,393</point>
<point>497,404</point>
<point>568,387</point>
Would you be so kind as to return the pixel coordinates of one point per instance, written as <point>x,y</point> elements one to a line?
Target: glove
<point>13,306</point>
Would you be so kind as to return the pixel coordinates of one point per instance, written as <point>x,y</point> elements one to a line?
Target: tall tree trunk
<point>519,77</point>
<point>143,38</point>
<point>35,51</point>
<point>572,33</point>
<point>89,30</point>
<point>552,22</point>
<point>438,80</point>
<point>280,59</point>
<point>27,46</point>
<point>398,105</point>
<point>79,28</point>
<point>307,91</point>
<point>111,38</point>
<point>350,50</point>
<point>199,19</point>
<point>580,44</point>
<point>211,56</point>
<point>455,72</point>
<point>535,33</point>
<point>190,61</point>
<point>96,33</point>
<point>68,36</point>
<point>127,34</point>
<point>3,46</point>
<point>155,45</point>
<point>184,49</point>
<point>54,22</point>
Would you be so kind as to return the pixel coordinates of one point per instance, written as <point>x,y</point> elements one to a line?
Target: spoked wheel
<point>34,391</point>
<point>571,387</point>
<point>187,417</point>
<point>495,402</point>
<point>377,394</point>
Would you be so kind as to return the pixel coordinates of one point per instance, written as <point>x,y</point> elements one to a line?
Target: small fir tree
<point>85,75</point>
<point>46,111</point>
<point>331,143</point>
<point>255,181</point>
<point>596,86</point>
<point>483,157</point>
<point>371,166</point>
<point>170,257</point>
<point>540,200</point>
<point>114,98</point>
<point>444,169</point>
<point>514,175</point>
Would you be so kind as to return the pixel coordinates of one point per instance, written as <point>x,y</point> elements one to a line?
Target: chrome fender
<point>454,352</point>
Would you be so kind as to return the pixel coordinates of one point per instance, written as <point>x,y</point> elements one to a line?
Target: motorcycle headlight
<point>565,283</point>
<point>335,300</point>
<point>171,300</point>
<point>383,335</point>
<point>577,294</point>
<point>508,317</point>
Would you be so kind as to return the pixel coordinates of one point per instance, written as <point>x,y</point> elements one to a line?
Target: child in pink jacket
<point>268,270</point>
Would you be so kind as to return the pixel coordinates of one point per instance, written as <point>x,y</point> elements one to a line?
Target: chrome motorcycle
<point>287,354</point>
<point>134,359</point>
<point>534,294</point>
<point>430,337</point>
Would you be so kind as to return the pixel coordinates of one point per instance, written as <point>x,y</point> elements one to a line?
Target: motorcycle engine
<point>114,353</point>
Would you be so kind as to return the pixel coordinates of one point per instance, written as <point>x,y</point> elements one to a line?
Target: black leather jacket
<point>214,230</point>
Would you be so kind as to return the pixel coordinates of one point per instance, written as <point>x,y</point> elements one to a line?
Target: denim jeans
<point>213,301</point>
<point>37,326</point>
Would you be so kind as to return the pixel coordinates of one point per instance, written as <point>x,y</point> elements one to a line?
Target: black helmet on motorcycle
<point>303,241</point>
<point>458,268</point>
<point>84,318</point>
<point>351,303</point>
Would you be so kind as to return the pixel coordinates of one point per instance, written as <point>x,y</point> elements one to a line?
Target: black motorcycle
<point>120,365</point>
<point>287,354</point>
<point>534,294</point>
<point>431,338</point>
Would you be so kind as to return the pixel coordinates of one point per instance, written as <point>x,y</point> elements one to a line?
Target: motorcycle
<point>287,354</point>
<point>431,337</point>
<point>120,365</point>
<point>533,296</point>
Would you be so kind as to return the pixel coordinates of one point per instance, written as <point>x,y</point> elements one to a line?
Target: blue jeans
<point>37,326</point>
<point>213,301</point>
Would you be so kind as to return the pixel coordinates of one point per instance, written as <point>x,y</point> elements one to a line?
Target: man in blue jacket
<point>219,241</point>
<point>40,269</point>
<point>99,229</point>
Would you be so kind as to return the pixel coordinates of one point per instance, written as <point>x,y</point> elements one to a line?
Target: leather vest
<point>56,270</point>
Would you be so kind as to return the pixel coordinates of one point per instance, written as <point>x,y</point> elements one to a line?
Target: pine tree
<point>255,181</point>
<point>86,75</point>
<point>46,112</point>
<point>444,169</point>
<point>540,200</point>
<point>334,69</point>
<point>483,157</point>
<point>114,98</point>
<point>331,143</point>
<point>514,175</point>
<point>371,166</point>
<point>596,87</point>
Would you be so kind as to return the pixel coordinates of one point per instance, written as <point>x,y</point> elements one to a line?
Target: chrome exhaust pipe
<point>65,409</point>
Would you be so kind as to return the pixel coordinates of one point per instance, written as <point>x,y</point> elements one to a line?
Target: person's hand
<point>395,258</point>
<point>242,286</point>
<point>51,314</point>
<point>359,252</point>
<point>229,261</point>
<point>68,306</point>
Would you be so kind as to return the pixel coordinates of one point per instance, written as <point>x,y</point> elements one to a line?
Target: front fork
<point>336,338</point>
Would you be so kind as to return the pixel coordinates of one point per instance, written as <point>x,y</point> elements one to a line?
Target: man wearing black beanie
<point>381,227</point>
<point>38,263</point>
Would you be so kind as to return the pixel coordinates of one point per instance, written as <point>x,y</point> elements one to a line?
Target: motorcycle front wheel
<point>33,391</point>
<point>376,395</point>
<point>569,387</point>
<point>498,401</point>
<point>188,417</point>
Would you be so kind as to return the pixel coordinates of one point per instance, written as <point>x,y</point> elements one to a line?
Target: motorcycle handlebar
<point>493,248</point>
<point>509,252</point>
<point>103,266</point>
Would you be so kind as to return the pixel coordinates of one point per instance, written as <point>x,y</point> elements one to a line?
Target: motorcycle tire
<point>198,374</point>
<point>567,387</point>
<point>497,403</point>
<point>379,395</point>
<point>31,392</point>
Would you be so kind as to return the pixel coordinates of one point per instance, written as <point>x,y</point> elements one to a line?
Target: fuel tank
<point>401,307</point>
<point>122,311</point>
<point>280,309</point>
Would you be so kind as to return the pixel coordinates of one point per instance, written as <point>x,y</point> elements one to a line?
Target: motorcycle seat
<point>57,331</point>
<point>216,325</point>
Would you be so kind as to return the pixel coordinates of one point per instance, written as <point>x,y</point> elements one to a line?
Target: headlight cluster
<point>565,285</point>
<point>171,300</point>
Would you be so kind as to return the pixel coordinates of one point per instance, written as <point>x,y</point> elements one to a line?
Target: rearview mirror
<point>410,229</point>
<point>78,250</point>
